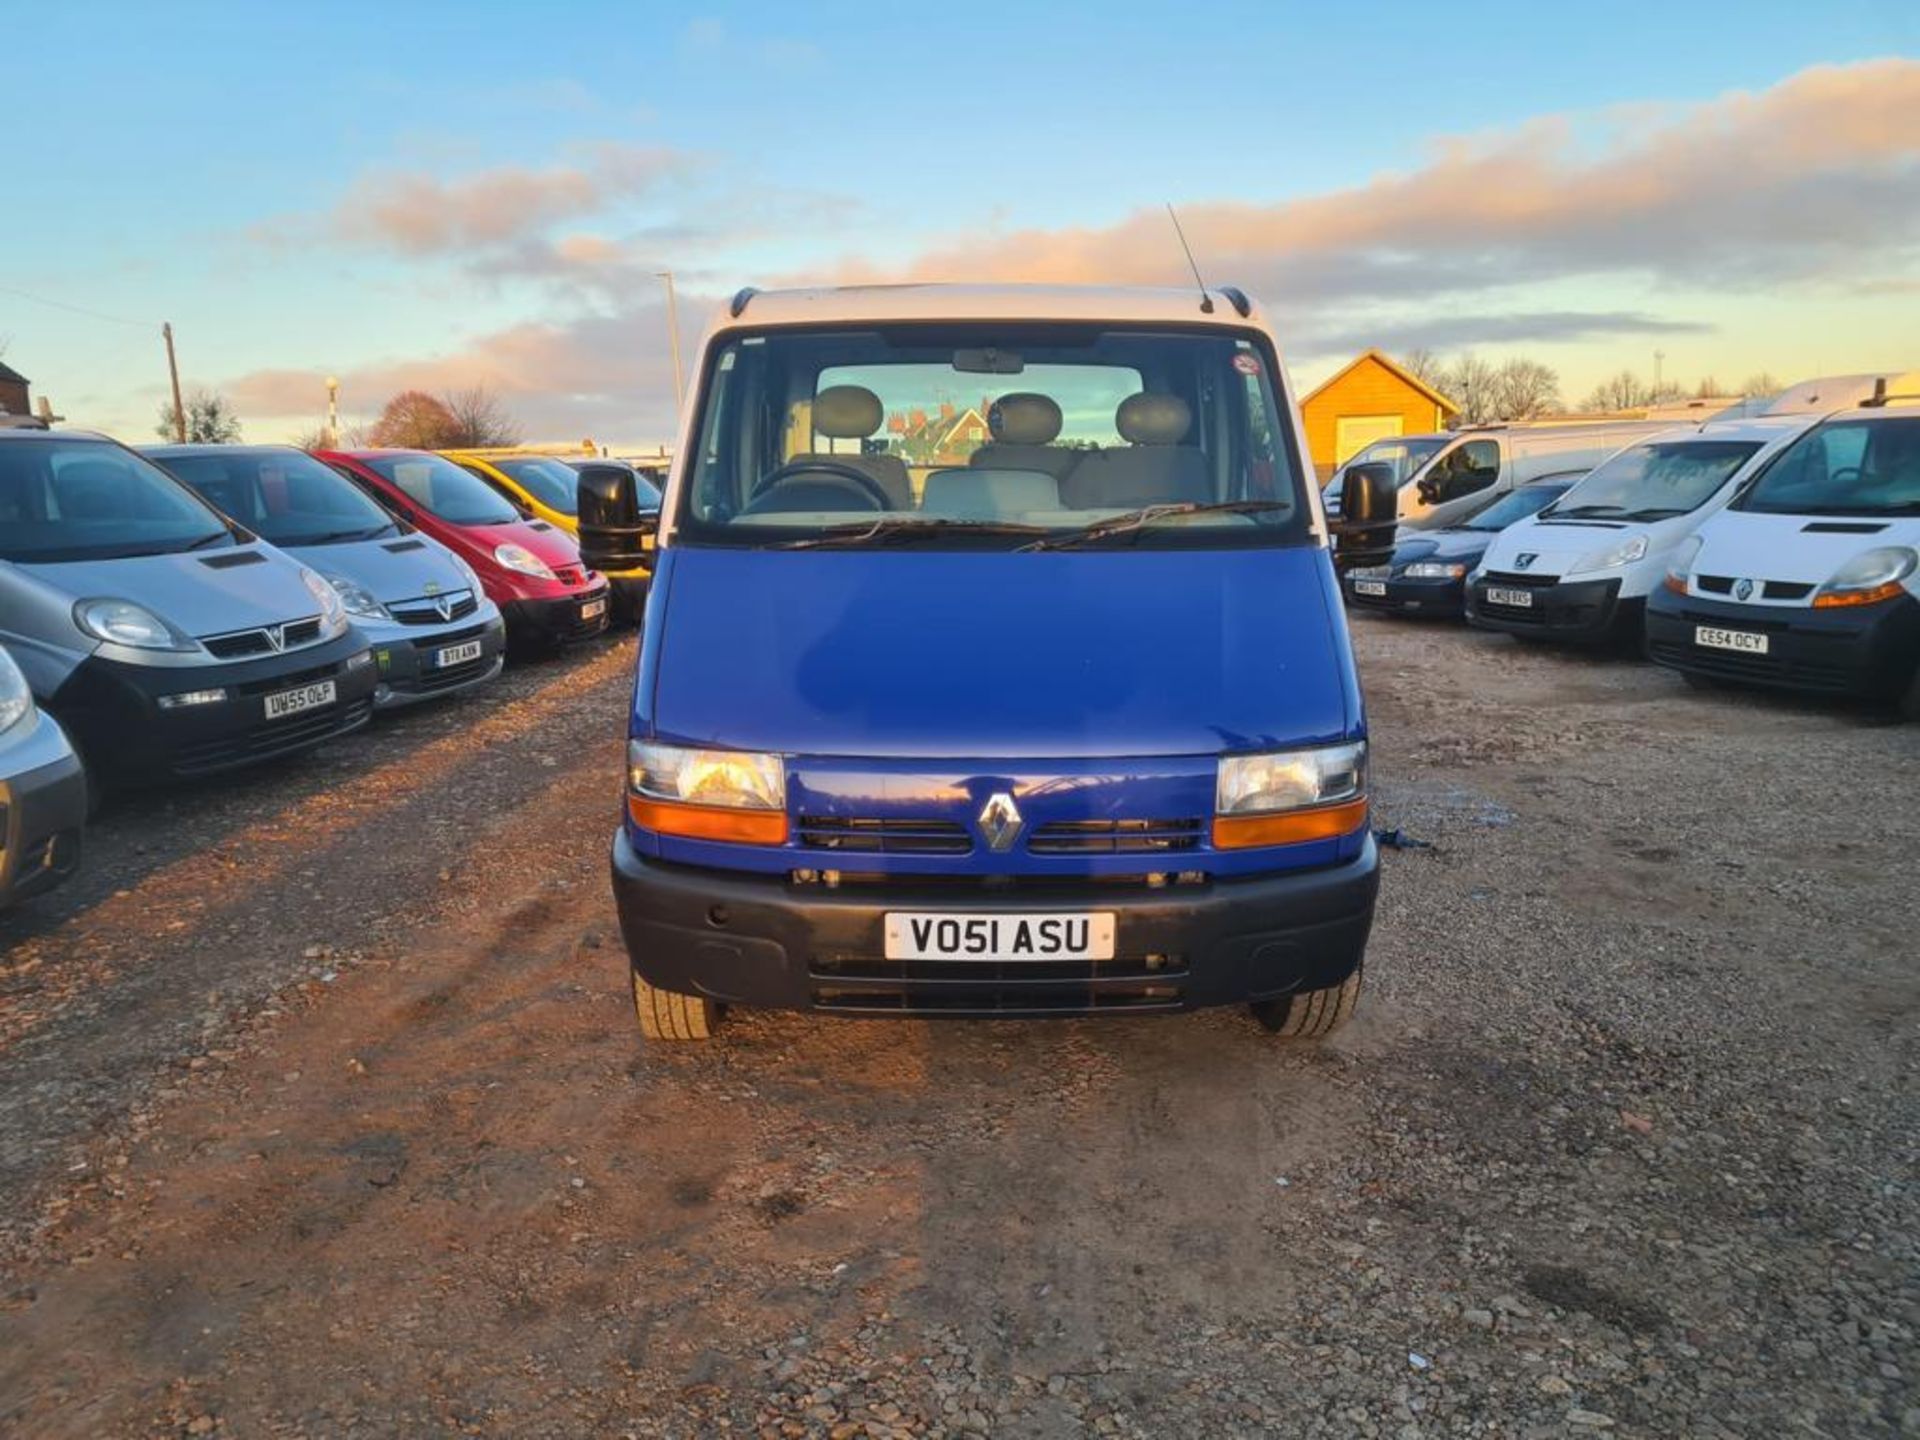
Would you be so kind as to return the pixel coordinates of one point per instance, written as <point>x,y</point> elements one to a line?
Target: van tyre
<point>1310,1014</point>
<point>669,1015</point>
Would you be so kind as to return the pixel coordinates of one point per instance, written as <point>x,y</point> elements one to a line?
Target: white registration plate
<point>1745,641</point>
<point>1499,595</point>
<point>930,935</point>
<point>306,697</point>
<point>594,609</point>
<point>457,654</point>
<point>1369,587</point>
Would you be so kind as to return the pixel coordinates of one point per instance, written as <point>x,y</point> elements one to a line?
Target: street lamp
<point>673,339</point>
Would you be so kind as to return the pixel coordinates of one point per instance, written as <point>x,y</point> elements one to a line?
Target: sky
<point>442,195</point>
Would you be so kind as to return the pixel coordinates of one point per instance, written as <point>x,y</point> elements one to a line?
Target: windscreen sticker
<point>1246,364</point>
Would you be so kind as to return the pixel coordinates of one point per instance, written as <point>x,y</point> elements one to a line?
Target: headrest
<point>846,412</point>
<point>1024,419</point>
<point>1148,419</point>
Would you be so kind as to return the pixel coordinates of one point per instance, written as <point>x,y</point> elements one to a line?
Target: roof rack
<point>741,299</point>
<point>1237,298</point>
<point>1881,396</point>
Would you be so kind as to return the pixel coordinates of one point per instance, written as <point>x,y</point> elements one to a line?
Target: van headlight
<point>1680,564</point>
<point>702,794</point>
<point>1623,552</point>
<point>1868,578</point>
<point>1282,797</point>
<point>333,614</point>
<point>518,557</point>
<point>16,700</point>
<point>1434,570</point>
<point>121,622</point>
<point>357,599</point>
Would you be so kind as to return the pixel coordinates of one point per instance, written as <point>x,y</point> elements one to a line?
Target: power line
<point>78,309</point>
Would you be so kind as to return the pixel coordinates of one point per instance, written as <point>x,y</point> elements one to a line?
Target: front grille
<point>1769,589</point>
<point>273,738</point>
<point>1520,579</point>
<point>1715,584</point>
<point>423,611</point>
<point>1773,669</point>
<point>276,683</point>
<point>865,986</point>
<point>884,837</point>
<point>1114,837</point>
<point>238,644</point>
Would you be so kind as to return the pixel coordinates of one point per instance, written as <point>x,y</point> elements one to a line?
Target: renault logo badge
<point>1743,589</point>
<point>1000,822</point>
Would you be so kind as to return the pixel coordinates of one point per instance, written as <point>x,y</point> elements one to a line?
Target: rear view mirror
<point>1369,509</point>
<point>616,533</point>
<point>988,361</point>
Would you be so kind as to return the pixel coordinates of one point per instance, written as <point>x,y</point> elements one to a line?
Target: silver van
<point>431,626</point>
<point>166,639</point>
<point>43,793</point>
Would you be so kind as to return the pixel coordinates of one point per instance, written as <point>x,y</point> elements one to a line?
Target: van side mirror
<point>1369,510</point>
<point>616,534</point>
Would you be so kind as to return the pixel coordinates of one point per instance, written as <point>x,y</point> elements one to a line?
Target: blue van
<point>994,665</point>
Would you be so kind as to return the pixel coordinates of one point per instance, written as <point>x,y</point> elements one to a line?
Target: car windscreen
<point>285,496</point>
<point>1656,479</point>
<point>1000,435</point>
<point>442,488</point>
<point>1404,455</point>
<point>63,500</point>
<point>553,483</point>
<point>1513,506</point>
<point>1845,467</point>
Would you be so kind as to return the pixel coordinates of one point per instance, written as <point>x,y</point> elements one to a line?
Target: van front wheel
<point>1310,1014</point>
<point>669,1015</point>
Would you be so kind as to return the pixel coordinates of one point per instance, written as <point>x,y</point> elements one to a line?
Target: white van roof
<point>1827,393</point>
<point>881,303</point>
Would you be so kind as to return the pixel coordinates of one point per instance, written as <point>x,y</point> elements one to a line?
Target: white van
<point>1583,567</point>
<point>1810,579</point>
<point>1481,463</point>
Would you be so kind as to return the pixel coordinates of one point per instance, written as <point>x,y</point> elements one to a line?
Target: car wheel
<point>669,1015</point>
<point>1310,1014</point>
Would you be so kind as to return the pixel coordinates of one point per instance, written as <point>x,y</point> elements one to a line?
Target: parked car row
<point>1780,550</point>
<point>196,608</point>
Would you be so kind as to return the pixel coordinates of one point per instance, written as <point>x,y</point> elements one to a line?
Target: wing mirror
<point>616,533</point>
<point>1369,510</point>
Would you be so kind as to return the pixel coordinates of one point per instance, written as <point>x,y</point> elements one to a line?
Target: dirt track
<point>325,1116</point>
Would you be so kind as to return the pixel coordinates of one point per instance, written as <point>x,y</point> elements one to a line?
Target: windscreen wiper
<point>1554,512</point>
<point>1133,520</point>
<point>892,529</point>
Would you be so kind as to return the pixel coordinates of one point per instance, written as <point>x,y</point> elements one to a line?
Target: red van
<point>530,569</point>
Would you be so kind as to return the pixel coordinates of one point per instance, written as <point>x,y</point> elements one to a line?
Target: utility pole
<point>173,373</point>
<point>1659,358</point>
<point>333,413</point>
<point>673,339</point>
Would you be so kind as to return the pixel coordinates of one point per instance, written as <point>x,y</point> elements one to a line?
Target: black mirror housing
<point>1369,506</point>
<point>615,533</point>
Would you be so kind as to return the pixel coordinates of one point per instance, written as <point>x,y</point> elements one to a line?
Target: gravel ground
<point>326,1116</point>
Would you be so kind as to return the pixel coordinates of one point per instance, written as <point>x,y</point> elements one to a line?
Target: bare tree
<point>1470,384</point>
<point>210,420</point>
<point>314,437</point>
<point>1761,382</point>
<point>1524,389</point>
<point>1426,367</point>
<point>1708,387</point>
<point>479,419</point>
<point>1622,391</point>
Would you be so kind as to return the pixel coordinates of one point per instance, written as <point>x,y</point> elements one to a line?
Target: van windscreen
<point>285,496</point>
<point>73,499</point>
<point>993,435</point>
<point>1655,480</point>
<point>442,488</point>
<point>1845,467</point>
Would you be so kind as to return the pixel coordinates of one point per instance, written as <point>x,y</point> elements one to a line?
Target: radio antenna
<point>1206,300</point>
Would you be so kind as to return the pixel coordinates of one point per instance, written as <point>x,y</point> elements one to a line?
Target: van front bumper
<point>560,620</point>
<point>1563,609</point>
<point>43,803</point>
<point>113,712</point>
<point>1402,596</point>
<point>409,663</point>
<point>1867,651</point>
<point>764,941</point>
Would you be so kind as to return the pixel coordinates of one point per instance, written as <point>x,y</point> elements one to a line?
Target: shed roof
<point>1399,372</point>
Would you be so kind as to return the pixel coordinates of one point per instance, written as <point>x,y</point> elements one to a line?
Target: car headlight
<point>357,599</point>
<point>1434,570</point>
<point>707,794</point>
<point>1622,552</point>
<point>333,614</point>
<point>1680,564</point>
<point>16,700</point>
<point>1869,577</point>
<point>518,557</point>
<point>1285,796</point>
<point>121,622</point>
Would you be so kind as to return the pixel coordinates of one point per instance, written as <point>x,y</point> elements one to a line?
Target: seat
<point>853,412</point>
<point>1002,495</point>
<point>1024,427</point>
<point>1154,468</point>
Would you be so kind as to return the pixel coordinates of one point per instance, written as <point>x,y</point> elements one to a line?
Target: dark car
<point>1429,567</point>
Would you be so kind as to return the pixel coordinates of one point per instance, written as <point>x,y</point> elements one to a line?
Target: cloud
<point>1458,332</point>
<point>1816,173</point>
<point>419,215</point>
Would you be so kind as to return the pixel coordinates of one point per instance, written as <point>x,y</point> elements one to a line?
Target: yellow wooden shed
<point>1369,399</point>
